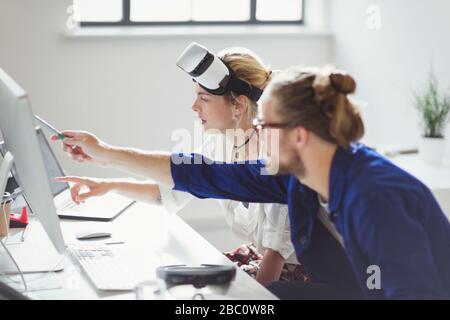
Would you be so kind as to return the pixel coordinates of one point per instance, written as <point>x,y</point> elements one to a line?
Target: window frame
<point>127,22</point>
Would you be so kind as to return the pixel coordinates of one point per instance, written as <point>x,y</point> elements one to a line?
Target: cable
<point>30,281</point>
<point>40,276</point>
<point>10,198</point>
<point>25,286</point>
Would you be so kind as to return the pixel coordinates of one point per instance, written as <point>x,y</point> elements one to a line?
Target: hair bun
<point>342,82</point>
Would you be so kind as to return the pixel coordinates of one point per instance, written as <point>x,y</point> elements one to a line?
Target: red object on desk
<point>19,221</point>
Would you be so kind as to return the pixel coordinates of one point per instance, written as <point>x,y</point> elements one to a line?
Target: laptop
<point>104,208</point>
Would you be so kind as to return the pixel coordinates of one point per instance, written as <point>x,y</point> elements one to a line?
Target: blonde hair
<point>317,99</point>
<point>249,67</point>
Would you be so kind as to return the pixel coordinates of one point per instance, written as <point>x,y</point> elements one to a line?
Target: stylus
<point>51,128</point>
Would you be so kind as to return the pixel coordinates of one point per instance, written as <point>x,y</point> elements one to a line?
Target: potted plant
<point>434,109</point>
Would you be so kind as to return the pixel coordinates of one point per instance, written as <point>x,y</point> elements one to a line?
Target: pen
<point>60,135</point>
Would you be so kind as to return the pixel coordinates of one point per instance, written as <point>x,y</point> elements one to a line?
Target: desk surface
<point>152,236</point>
<point>435,176</point>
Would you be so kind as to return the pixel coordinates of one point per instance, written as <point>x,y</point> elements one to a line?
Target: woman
<point>264,225</point>
<point>382,234</point>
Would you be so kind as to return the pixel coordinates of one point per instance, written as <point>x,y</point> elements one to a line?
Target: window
<point>187,12</point>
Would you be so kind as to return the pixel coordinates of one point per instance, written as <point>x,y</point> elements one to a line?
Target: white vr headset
<point>212,74</point>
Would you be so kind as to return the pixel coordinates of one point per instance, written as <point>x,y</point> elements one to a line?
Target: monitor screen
<point>51,163</point>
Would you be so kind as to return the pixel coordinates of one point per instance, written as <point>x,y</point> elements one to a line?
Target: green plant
<point>434,109</point>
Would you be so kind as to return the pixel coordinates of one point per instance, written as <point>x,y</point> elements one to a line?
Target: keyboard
<point>102,267</point>
<point>67,205</point>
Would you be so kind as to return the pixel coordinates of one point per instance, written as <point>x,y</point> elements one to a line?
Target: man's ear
<point>301,137</point>
<point>240,104</point>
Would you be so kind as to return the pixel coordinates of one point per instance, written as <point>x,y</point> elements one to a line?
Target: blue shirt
<point>386,217</point>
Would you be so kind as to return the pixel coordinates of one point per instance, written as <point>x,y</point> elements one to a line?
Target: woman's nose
<point>195,106</point>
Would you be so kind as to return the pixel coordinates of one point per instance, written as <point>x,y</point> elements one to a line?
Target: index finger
<point>73,179</point>
<point>74,134</point>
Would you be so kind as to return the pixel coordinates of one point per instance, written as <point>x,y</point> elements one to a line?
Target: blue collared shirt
<point>386,217</point>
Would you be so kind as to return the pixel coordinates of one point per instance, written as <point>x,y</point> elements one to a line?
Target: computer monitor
<point>18,131</point>
<point>52,166</point>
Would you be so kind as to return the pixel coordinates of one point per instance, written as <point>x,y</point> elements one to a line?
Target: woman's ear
<point>240,104</point>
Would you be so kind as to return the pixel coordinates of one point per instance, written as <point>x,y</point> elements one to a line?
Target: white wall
<point>127,90</point>
<point>390,62</point>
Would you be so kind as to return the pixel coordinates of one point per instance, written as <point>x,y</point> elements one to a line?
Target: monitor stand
<point>38,255</point>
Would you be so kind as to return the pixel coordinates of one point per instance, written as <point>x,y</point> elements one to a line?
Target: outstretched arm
<point>203,178</point>
<point>192,173</point>
<point>84,188</point>
<point>85,147</point>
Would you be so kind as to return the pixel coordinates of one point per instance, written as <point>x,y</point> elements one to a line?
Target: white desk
<point>148,232</point>
<point>436,177</point>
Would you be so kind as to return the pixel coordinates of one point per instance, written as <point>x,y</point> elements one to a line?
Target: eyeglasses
<point>259,124</point>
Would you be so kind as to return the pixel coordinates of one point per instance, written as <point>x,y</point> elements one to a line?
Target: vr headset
<point>212,74</point>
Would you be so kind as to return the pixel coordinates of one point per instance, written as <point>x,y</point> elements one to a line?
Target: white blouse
<point>266,225</point>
